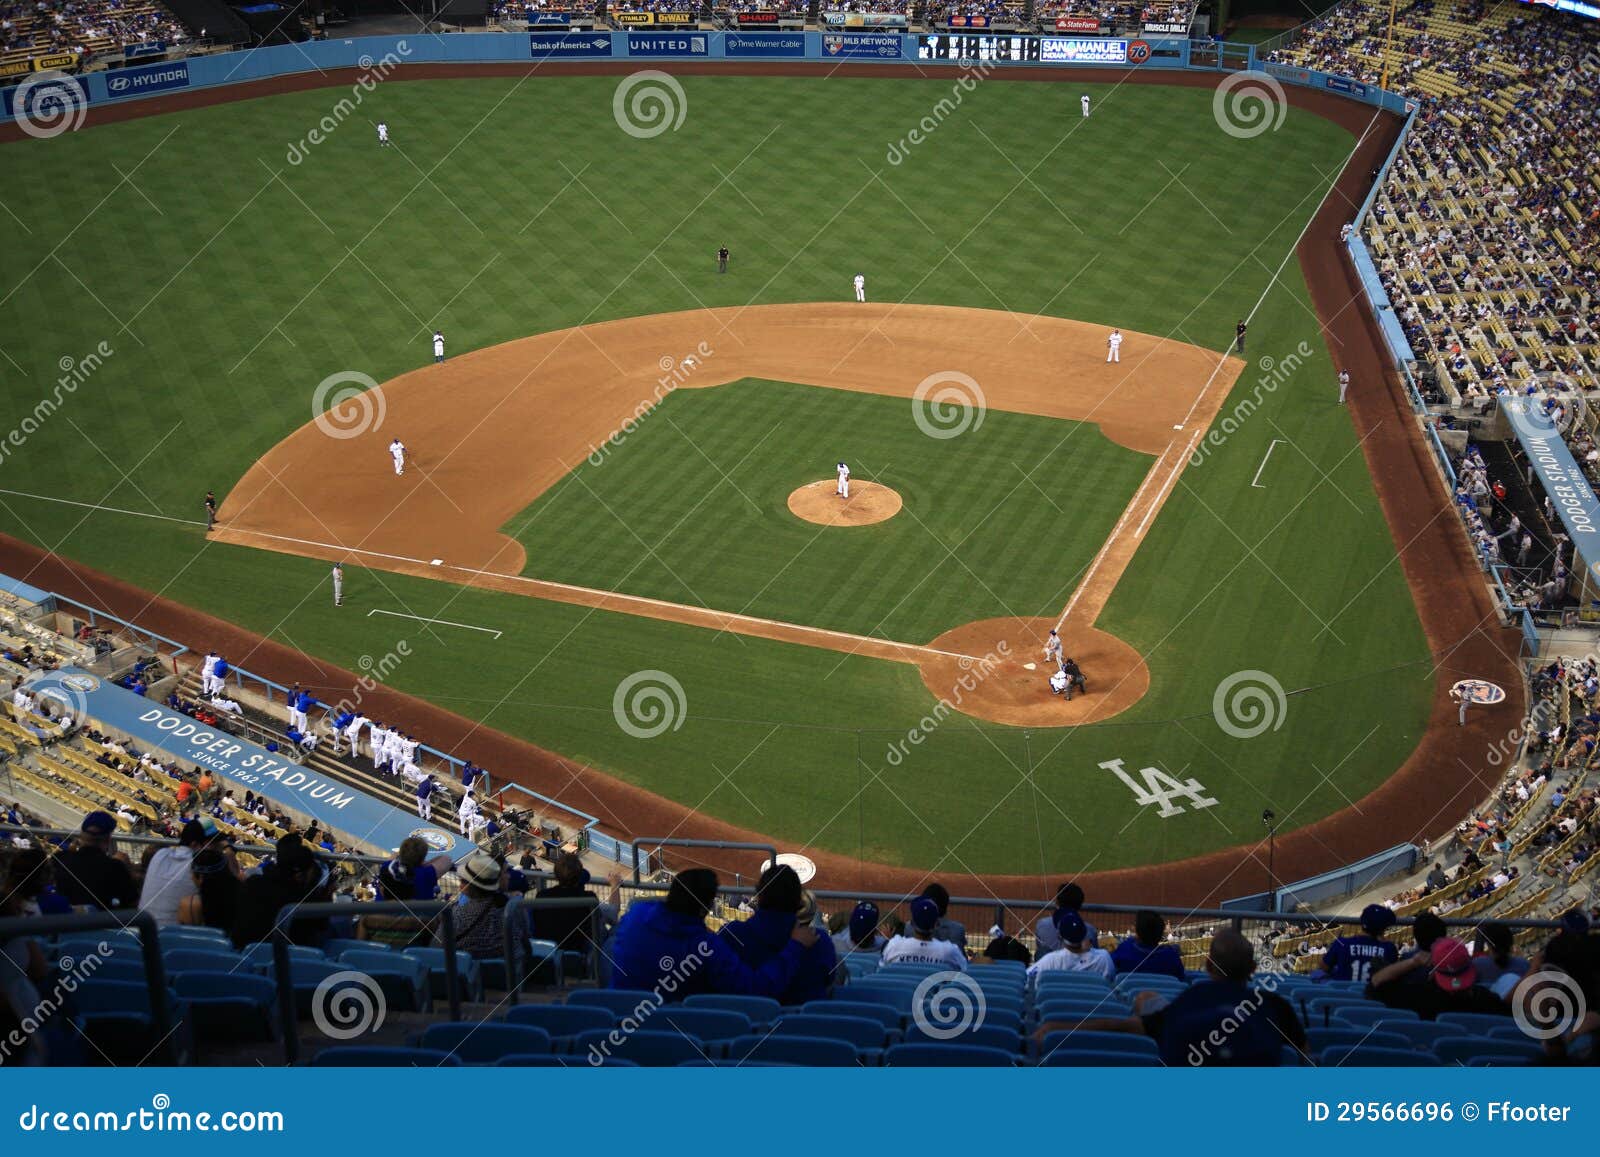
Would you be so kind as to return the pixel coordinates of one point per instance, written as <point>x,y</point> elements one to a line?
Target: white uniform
<point>383,133</point>
<point>209,683</point>
<point>438,347</point>
<point>861,287</point>
<point>1344,383</point>
<point>338,585</point>
<point>1052,648</point>
<point>352,732</point>
<point>397,451</point>
<point>843,488</point>
<point>1114,346</point>
<point>1084,101</point>
<point>466,813</point>
<point>379,738</point>
<point>1058,682</point>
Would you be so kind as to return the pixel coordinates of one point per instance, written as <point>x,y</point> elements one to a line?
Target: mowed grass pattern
<point>691,507</point>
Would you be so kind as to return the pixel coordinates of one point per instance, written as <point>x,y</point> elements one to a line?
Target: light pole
<point>1269,817</point>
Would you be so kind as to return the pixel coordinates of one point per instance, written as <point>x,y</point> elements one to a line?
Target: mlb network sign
<point>150,78</point>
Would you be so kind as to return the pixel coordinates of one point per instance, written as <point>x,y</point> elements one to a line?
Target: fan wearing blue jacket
<point>781,904</point>
<point>664,946</point>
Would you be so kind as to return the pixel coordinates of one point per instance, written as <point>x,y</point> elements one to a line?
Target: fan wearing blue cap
<point>1076,954</point>
<point>1358,957</point>
<point>861,935</point>
<point>917,945</point>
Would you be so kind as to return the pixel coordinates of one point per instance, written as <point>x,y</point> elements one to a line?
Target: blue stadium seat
<point>484,1043</point>
<point>118,1023</point>
<point>404,980</point>
<point>1475,1022</point>
<point>1117,1042</point>
<point>647,1046</point>
<point>989,966</point>
<point>377,1056</point>
<point>338,946</point>
<point>131,971</point>
<point>562,1021</point>
<point>469,977</point>
<point>1419,1033</point>
<point>1057,1008</point>
<point>896,996</point>
<point>996,1001</point>
<point>197,960</point>
<point>704,1024</point>
<point>620,1002</point>
<point>948,1055</point>
<point>1367,1015</point>
<point>761,1010</point>
<point>561,1061</point>
<point>1506,1031</point>
<point>884,1013</point>
<point>229,1005</point>
<point>259,956</point>
<point>1129,983</point>
<point>989,1035</point>
<point>1462,1050</point>
<point>1050,981</point>
<point>1360,1056</point>
<point>1350,1036</point>
<point>813,1052</point>
<point>860,1031</point>
<point>1099,1059</point>
<point>192,936</point>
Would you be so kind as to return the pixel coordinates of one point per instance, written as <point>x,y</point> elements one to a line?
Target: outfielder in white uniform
<point>1344,384</point>
<point>1084,101</point>
<point>338,585</point>
<point>1114,347</point>
<point>843,488</point>
<point>397,451</point>
<point>383,133</point>
<point>438,346</point>
<point>861,287</point>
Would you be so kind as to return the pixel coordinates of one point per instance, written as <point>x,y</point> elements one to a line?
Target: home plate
<point>1030,666</point>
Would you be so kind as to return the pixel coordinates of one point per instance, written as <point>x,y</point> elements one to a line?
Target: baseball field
<point>595,546</point>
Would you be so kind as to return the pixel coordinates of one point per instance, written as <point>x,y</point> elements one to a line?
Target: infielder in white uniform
<point>397,451</point>
<point>438,346</point>
<point>1084,101</point>
<point>843,488</point>
<point>338,585</point>
<point>383,133</point>
<point>1344,384</point>
<point>1114,346</point>
<point>861,286</point>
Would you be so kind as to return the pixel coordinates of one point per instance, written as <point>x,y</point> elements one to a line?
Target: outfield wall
<point>382,56</point>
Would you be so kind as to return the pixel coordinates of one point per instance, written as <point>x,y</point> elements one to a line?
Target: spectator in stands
<point>295,875</point>
<point>480,921</point>
<point>1147,951</point>
<point>215,900</point>
<point>952,930</point>
<point>1448,963</point>
<point>1570,960</point>
<point>1221,1021</point>
<point>569,928</point>
<point>168,879</point>
<point>22,971</point>
<point>1358,957</point>
<point>33,877</point>
<point>664,946</point>
<point>90,874</point>
<point>1004,946</point>
<point>918,944</point>
<point>861,933</point>
<point>1499,962</point>
<point>1436,878</point>
<point>1076,954</point>
<point>1069,895</point>
<point>780,907</point>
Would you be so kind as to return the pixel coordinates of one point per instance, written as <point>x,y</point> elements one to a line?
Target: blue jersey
<point>1358,957</point>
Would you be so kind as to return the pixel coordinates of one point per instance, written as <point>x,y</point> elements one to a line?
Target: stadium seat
<point>864,1033</point>
<point>375,1056</point>
<point>649,1047</point>
<point>762,1010</point>
<point>197,960</point>
<point>703,1024</point>
<point>229,1005</point>
<point>130,971</point>
<point>813,1052</point>
<point>483,1043</point>
<point>1361,1056</point>
<point>185,936</point>
<point>1130,983</point>
<point>988,1035</point>
<point>1463,1050</point>
<point>1420,1034</point>
<point>561,1021</point>
<point>948,1055</point>
<point>1063,1009</point>
<point>896,996</point>
<point>259,956</point>
<point>561,1061</point>
<point>1099,1059</point>
<point>1075,1041</point>
<point>1508,1031</point>
<point>1350,1036</point>
<point>916,971</point>
<point>1475,1022</point>
<point>886,1014</point>
<point>1051,981</point>
<point>620,1002</point>
<point>469,978</point>
<point>404,980</point>
<point>338,946</point>
<point>1367,1015</point>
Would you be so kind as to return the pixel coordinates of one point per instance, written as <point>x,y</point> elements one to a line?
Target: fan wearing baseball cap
<point>90,875</point>
<point>917,944</point>
<point>1447,963</point>
<point>861,934</point>
<point>1358,957</point>
<point>1075,954</point>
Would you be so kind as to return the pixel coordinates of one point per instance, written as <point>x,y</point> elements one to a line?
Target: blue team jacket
<point>763,936</point>
<point>678,956</point>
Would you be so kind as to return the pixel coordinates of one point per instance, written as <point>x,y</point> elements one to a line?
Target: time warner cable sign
<point>150,78</point>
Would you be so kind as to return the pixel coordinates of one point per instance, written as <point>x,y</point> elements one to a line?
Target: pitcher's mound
<point>869,502</point>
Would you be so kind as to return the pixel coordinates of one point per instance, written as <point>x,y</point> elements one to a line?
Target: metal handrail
<point>659,842</point>
<point>289,1021</point>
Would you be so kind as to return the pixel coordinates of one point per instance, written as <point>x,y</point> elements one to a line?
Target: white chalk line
<point>98,506</point>
<point>1256,481</point>
<point>440,622</point>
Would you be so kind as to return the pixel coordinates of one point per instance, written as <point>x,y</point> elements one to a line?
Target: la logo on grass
<point>1160,788</point>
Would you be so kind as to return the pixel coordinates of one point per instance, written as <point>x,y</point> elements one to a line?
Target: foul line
<point>97,506</point>
<point>440,622</point>
<point>1256,481</point>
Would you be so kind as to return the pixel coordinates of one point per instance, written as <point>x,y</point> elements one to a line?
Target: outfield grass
<point>228,283</point>
<point>703,483</point>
